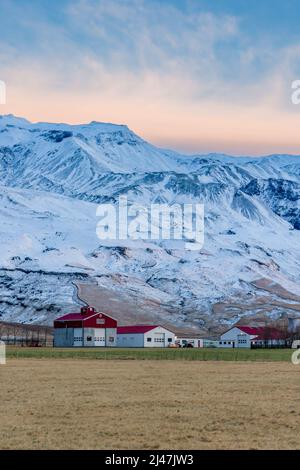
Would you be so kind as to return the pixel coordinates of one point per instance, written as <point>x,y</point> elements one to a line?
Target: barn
<point>88,328</point>
<point>251,337</point>
<point>144,336</point>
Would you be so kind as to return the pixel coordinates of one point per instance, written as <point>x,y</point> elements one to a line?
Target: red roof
<point>85,313</point>
<point>88,317</point>
<point>249,330</point>
<point>76,316</point>
<point>81,316</point>
<point>262,332</point>
<point>135,329</point>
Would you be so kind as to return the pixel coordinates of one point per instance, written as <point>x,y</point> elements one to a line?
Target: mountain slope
<point>52,177</point>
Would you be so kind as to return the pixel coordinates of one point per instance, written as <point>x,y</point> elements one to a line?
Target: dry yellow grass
<point>89,404</point>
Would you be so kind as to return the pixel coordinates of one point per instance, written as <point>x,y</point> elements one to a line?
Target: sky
<point>196,76</point>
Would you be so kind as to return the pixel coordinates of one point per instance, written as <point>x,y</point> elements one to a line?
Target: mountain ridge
<point>53,176</point>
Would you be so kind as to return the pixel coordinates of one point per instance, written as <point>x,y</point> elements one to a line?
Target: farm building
<point>85,329</point>
<point>251,337</point>
<point>144,336</point>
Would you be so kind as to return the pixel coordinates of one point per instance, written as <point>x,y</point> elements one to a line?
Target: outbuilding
<point>251,337</point>
<point>144,336</point>
<point>88,328</point>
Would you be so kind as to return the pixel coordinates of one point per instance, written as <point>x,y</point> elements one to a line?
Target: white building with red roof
<point>144,336</point>
<point>88,328</point>
<point>251,337</point>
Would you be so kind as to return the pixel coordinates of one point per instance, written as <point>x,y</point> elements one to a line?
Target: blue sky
<point>196,75</point>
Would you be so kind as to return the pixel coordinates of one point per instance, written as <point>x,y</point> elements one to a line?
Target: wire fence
<point>203,354</point>
<point>26,335</point>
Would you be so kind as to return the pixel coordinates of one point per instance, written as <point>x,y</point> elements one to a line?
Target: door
<point>99,337</point>
<point>159,340</point>
<point>78,340</point>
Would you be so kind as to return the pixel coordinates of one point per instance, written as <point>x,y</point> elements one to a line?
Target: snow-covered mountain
<point>52,177</point>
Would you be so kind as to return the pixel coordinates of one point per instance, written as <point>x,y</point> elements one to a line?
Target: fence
<point>26,335</point>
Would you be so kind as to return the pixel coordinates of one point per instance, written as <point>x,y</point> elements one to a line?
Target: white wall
<point>158,338</point>
<point>100,337</point>
<point>111,337</point>
<point>130,340</point>
<point>235,338</point>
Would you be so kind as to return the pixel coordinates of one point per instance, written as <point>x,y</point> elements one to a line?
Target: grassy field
<point>213,354</point>
<point>117,404</point>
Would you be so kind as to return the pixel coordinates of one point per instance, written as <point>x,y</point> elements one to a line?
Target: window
<point>169,340</point>
<point>159,340</point>
<point>149,340</point>
<point>89,338</point>
<point>111,339</point>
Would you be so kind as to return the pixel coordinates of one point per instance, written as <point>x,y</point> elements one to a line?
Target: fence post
<point>2,353</point>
